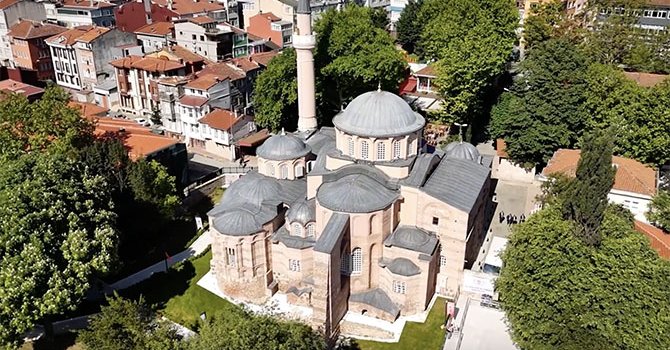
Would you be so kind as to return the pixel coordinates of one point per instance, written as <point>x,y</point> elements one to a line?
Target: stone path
<point>199,246</point>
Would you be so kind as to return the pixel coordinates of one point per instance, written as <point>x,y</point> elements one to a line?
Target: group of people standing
<point>511,219</point>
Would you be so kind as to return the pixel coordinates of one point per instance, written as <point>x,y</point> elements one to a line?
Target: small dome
<point>378,114</point>
<point>244,220</point>
<point>411,238</point>
<point>252,188</point>
<point>356,193</point>
<point>462,150</point>
<point>302,211</point>
<point>403,267</point>
<point>283,147</point>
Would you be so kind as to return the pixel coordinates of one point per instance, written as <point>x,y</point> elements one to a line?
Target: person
<point>514,220</point>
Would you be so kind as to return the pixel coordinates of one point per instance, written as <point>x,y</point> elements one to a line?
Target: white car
<point>142,121</point>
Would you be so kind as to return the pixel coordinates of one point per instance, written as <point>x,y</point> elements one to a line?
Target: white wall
<point>636,203</point>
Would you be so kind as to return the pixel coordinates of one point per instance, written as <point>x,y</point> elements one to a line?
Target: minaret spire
<point>303,43</point>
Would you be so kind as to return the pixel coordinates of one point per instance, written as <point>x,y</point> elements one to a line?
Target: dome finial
<point>379,86</point>
<point>460,131</point>
<point>283,132</point>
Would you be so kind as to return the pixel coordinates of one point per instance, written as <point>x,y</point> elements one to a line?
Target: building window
<point>443,261</point>
<point>193,36</point>
<point>230,253</point>
<point>311,230</point>
<point>381,151</point>
<point>296,229</point>
<point>356,261</point>
<point>399,287</point>
<point>351,146</point>
<point>436,220</point>
<point>299,170</point>
<point>294,265</point>
<point>396,149</point>
<point>284,171</point>
<point>270,169</point>
<point>364,150</point>
<point>344,263</point>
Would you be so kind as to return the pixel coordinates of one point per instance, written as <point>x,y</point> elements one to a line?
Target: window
<point>364,150</point>
<point>351,146</point>
<point>344,263</point>
<point>443,261</point>
<point>381,151</point>
<point>436,220</point>
<point>193,36</point>
<point>270,169</point>
<point>202,38</point>
<point>284,171</point>
<point>396,149</point>
<point>356,261</point>
<point>311,230</point>
<point>230,253</point>
<point>399,287</point>
<point>299,170</point>
<point>297,230</point>
<point>294,265</point>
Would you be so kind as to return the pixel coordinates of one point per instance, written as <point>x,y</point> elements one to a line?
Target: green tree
<point>354,55</point>
<point>47,122</point>
<point>559,293</point>
<point>659,210</point>
<point>543,111</point>
<point>551,21</point>
<point>408,27</point>
<point>156,117</point>
<point>586,199</point>
<point>243,331</point>
<point>276,93</point>
<point>127,324</point>
<point>151,184</point>
<point>56,233</point>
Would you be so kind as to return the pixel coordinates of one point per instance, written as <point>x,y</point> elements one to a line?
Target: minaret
<point>303,43</point>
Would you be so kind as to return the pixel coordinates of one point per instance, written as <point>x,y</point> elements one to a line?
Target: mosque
<point>358,217</point>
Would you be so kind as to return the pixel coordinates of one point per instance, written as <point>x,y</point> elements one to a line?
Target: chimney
<point>91,3</point>
<point>147,10</point>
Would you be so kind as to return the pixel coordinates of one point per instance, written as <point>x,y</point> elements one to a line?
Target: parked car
<point>143,121</point>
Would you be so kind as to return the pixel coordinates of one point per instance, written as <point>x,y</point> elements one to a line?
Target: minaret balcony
<point>304,41</point>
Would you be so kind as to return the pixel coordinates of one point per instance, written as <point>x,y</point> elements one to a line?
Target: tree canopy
<point>408,27</point>
<point>558,292</point>
<point>659,212</point>
<point>56,232</point>
<point>354,54</point>
<point>127,324</point>
<point>242,331</point>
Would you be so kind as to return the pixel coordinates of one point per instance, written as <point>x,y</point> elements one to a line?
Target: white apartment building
<point>11,12</point>
<point>74,13</point>
<point>206,37</point>
<point>155,36</point>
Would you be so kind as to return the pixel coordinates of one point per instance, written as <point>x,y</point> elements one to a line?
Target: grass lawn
<point>177,295</point>
<point>424,336</point>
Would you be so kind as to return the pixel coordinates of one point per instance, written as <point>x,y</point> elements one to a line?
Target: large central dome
<point>378,114</point>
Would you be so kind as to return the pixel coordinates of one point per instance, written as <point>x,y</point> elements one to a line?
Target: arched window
<point>412,147</point>
<point>364,150</point>
<point>311,230</point>
<point>356,261</point>
<point>284,171</point>
<point>270,169</point>
<point>350,146</point>
<point>296,230</point>
<point>299,170</point>
<point>381,151</point>
<point>396,149</point>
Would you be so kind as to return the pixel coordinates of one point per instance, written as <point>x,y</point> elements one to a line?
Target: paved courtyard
<point>485,329</point>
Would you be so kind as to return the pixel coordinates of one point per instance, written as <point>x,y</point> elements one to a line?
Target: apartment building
<point>208,37</point>
<point>74,13</point>
<point>80,57</point>
<point>137,77</point>
<point>285,9</point>
<point>155,36</point>
<point>271,27</point>
<point>132,15</point>
<point>29,50</point>
<point>11,12</point>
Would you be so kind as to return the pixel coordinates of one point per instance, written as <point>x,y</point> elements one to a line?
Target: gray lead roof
<point>457,182</point>
<point>332,233</point>
<point>283,147</point>
<point>378,114</point>
<point>302,211</point>
<point>283,236</point>
<point>355,193</point>
<point>403,267</point>
<point>412,238</point>
<point>376,298</point>
<point>303,7</point>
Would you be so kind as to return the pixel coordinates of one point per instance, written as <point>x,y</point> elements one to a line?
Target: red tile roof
<point>18,87</point>
<point>269,16</point>
<point>245,63</point>
<point>86,4</point>
<point>646,79</point>
<point>204,82</point>
<point>149,64</point>
<point>254,139</point>
<point>156,28</point>
<point>264,58</point>
<point>88,110</point>
<point>82,33</point>
<point>179,52</point>
<point>193,101</point>
<point>427,71</point>
<point>631,175</point>
<point>220,119</point>
<point>202,20</point>
<point>189,7</point>
<point>224,70</point>
<point>7,3</point>
<point>26,29</point>
<point>658,239</point>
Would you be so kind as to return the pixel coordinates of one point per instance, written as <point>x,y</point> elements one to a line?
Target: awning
<point>254,139</point>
